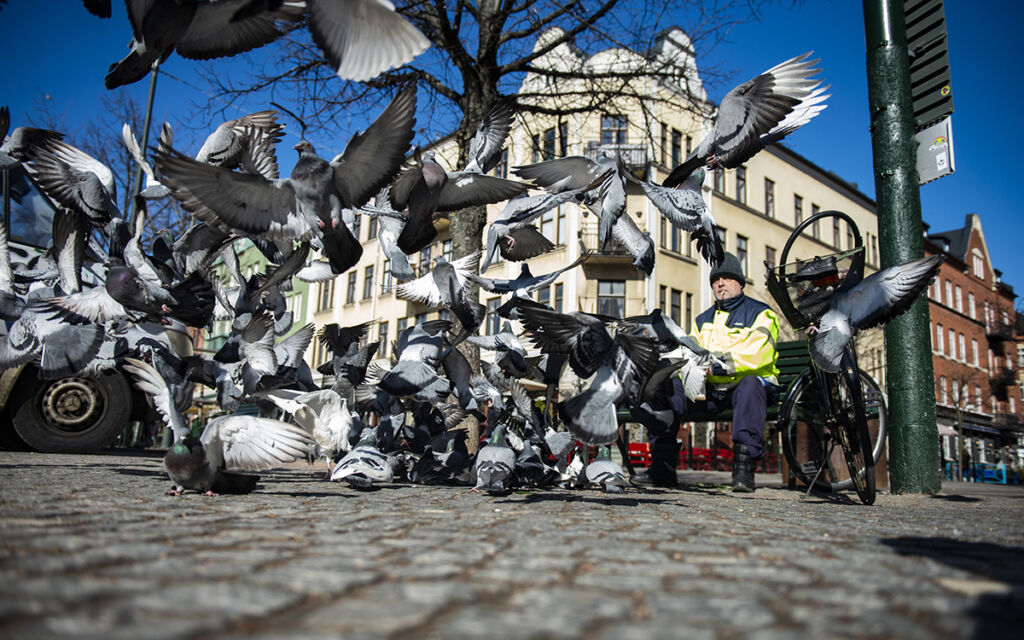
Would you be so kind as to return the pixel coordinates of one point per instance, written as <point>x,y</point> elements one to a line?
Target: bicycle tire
<point>853,434</point>
<point>803,436</point>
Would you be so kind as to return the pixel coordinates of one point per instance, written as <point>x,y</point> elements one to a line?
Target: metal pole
<point>914,462</point>
<point>137,185</point>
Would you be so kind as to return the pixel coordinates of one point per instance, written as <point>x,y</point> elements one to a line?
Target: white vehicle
<point>68,415</point>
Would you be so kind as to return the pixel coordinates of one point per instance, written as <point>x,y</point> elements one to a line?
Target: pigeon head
<point>304,146</point>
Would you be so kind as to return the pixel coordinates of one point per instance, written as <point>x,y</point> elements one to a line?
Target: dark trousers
<point>749,403</point>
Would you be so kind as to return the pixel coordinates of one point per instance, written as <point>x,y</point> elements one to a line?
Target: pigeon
<point>62,349</point>
<point>602,179</point>
<point>446,286</point>
<point>638,243</point>
<point>425,188</point>
<point>362,38</point>
<point>873,301</point>
<point>153,190</point>
<point>196,30</point>
<point>311,199</point>
<point>685,208</point>
<point>74,179</point>
<point>15,148</point>
<point>525,283</point>
<point>604,471</point>
<point>365,465</point>
<point>581,335</point>
<point>512,233</point>
<point>228,443</point>
<point>415,373</point>
<point>511,356</point>
<point>390,224</point>
<point>755,114</point>
<point>495,464</point>
<point>245,143</point>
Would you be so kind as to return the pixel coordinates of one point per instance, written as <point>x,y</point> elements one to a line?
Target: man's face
<point>725,288</point>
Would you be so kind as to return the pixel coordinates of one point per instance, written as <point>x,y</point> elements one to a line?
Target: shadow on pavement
<point>955,498</point>
<point>594,498</point>
<point>997,609</point>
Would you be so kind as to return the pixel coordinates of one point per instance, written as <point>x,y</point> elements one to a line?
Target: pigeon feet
<point>209,494</point>
<point>173,492</point>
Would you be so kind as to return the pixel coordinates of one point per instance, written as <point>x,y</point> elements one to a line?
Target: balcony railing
<point>591,241</point>
<point>634,156</point>
<point>1007,422</point>
<point>999,331</point>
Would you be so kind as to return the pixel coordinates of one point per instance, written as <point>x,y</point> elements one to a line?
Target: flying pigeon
<point>685,208</point>
<point>512,233</point>
<point>247,143</point>
<point>873,301</point>
<point>755,114</point>
<point>446,286</point>
<point>243,443</point>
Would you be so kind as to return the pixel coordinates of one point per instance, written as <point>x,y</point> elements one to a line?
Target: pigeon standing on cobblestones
<point>606,472</point>
<point>495,464</point>
<point>242,443</point>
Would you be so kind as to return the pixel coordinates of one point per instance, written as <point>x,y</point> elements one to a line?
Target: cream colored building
<point>756,206</point>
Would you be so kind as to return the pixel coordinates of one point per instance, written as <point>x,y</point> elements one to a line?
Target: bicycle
<point>832,425</point>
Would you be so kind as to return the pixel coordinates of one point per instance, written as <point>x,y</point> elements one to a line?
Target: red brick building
<point>974,345</point>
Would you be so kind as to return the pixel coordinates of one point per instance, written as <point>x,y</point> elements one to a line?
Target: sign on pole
<point>935,151</point>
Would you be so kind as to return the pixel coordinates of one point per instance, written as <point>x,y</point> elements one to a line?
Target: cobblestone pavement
<point>91,547</point>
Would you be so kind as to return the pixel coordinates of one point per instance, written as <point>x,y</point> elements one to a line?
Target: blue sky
<point>56,48</point>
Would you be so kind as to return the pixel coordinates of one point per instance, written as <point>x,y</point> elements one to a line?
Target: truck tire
<point>70,415</point>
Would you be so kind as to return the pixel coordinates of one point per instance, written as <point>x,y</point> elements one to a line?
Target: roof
<point>956,241</point>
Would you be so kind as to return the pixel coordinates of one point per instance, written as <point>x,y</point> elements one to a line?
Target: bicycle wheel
<point>808,445</point>
<point>852,431</point>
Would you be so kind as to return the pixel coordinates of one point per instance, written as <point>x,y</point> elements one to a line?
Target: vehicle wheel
<point>70,415</point>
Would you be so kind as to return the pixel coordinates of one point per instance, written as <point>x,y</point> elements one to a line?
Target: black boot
<point>659,474</point>
<point>742,470</point>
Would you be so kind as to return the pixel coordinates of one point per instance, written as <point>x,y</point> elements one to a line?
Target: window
<point>849,236</point>
<point>325,300</point>
<point>350,291</point>
<point>874,249</point>
<point>401,326</point>
<point>493,321</point>
<point>558,297</point>
<point>357,226</point>
<point>741,184</point>
<point>549,144</point>
<point>741,253</point>
<point>386,279</point>
<point>613,129</point>
<point>769,256</point>
<point>689,144</point>
<point>978,264</point>
<point>677,304</point>
<point>974,351</point>
<point>949,293</point>
<point>971,311</point>
<point>962,347</point>
<point>611,298</point>
<point>371,228</point>
<point>938,339</point>
<point>535,145</point>
<point>719,180</point>
<point>815,226</point>
<point>798,209</point>
<point>677,150</point>
<point>943,398</point>
<point>769,198</point>
<point>501,169</point>
<point>425,261</point>
<point>447,250</point>
<point>662,293</point>
<point>544,295</point>
<point>368,282</point>
<point>835,233</point>
<point>663,236</point>
<point>959,299</point>
<point>663,155</point>
<point>563,139</point>
<point>689,312</point>
<point>675,239</point>
<point>977,397</point>
<point>721,236</point>
<point>957,400</point>
<point>382,335</point>
<point>952,343</point>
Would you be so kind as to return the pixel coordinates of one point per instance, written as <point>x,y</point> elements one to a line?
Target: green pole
<point>137,186</point>
<point>913,455</point>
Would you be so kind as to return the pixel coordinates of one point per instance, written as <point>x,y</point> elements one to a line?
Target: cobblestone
<point>90,547</point>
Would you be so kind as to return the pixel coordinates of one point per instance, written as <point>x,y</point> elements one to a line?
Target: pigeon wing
<point>148,380</point>
<point>215,32</point>
<point>888,293</point>
<point>250,443</point>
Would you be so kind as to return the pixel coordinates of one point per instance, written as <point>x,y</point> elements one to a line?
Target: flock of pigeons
<point>374,420</point>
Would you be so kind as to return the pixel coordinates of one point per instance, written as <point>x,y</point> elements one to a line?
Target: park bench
<point>793,359</point>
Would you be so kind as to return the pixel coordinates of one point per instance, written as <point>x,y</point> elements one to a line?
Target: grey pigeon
<point>510,354</point>
<point>390,224</point>
<point>15,147</point>
<point>311,199</point>
<point>495,464</point>
<point>243,443</point>
<point>196,30</point>
<point>365,465</point>
<point>362,38</point>
<point>153,189</point>
<point>685,208</point>
<point>425,188</point>
<point>873,301</point>
<point>446,285</point>
<point>74,179</point>
<point>523,285</point>
<point>512,233</point>
<point>755,114</point>
<point>415,373</point>
<point>606,472</point>
<point>247,143</point>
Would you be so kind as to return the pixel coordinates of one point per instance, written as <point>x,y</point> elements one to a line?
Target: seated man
<point>742,332</point>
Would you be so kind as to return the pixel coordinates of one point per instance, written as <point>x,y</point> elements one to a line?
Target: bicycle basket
<point>803,289</point>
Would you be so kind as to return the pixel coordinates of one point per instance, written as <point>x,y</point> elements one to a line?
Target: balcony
<point>1007,422</point>
<point>1001,379</point>
<point>590,241</point>
<point>998,331</point>
<point>634,156</point>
